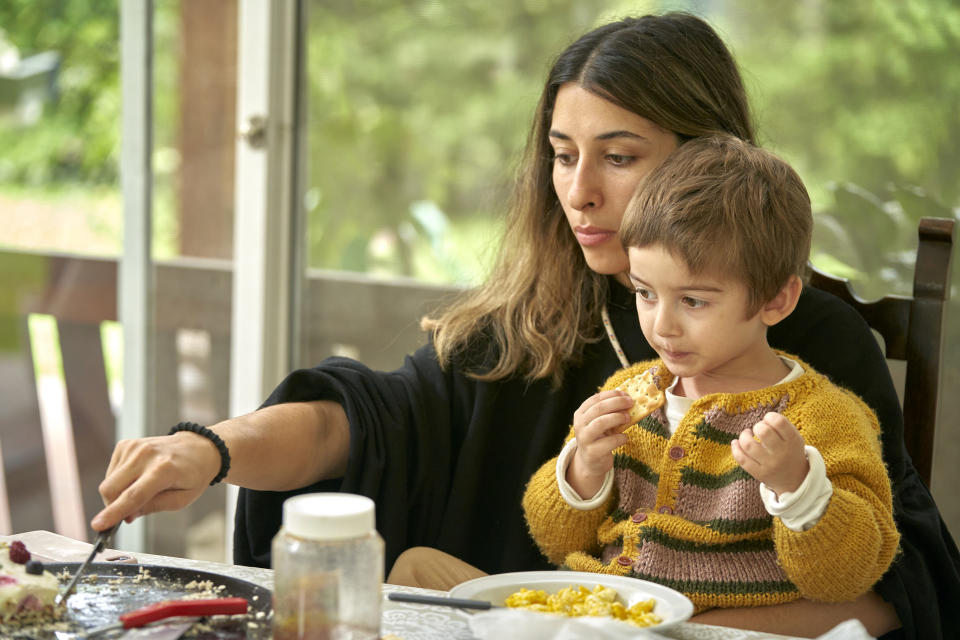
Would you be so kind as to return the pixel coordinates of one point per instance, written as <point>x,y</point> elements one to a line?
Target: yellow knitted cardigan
<point>685,515</point>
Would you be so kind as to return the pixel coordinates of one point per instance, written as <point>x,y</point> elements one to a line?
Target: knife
<point>103,538</point>
<point>444,601</point>
<point>167,631</point>
<point>160,631</point>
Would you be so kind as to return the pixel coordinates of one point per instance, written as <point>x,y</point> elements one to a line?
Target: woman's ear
<point>783,303</point>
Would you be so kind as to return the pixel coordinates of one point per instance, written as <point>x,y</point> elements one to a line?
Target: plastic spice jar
<point>328,569</point>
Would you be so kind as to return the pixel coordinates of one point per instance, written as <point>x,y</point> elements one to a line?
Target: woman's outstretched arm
<point>277,448</point>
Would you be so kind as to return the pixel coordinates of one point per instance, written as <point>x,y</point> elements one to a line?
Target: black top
<point>447,458</point>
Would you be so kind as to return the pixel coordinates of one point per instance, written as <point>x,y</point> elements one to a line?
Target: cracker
<point>647,398</point>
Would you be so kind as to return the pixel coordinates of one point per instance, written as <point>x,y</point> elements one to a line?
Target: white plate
<point>672,606</point>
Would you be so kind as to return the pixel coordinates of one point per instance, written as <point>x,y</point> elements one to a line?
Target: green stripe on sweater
<point>653,534</point>
<point>706,431</point>
<point>619,515</point>
<point>654,426</point>
<point>726,526</point>
<point>710,481</point>
<point>720,525</point>
<point>720,587</point>
<point>623,461</point>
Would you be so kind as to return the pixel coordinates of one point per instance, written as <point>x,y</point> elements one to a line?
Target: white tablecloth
<point>403,620</point>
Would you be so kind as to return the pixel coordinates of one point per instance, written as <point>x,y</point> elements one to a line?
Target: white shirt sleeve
<point>801,509</point>
<point>568,493</point>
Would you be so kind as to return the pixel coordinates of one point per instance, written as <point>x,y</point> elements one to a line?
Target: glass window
<point>60,236</point>
<point>61,231</point>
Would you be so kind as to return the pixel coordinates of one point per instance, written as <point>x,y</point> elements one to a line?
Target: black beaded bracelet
<point>212,437</point>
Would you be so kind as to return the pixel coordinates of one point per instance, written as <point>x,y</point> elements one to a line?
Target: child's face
<point>698,324</point>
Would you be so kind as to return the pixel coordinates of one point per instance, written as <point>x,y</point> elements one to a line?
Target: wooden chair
<point>912,331</point>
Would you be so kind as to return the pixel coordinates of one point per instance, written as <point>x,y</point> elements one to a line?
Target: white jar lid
<point>328,516</point>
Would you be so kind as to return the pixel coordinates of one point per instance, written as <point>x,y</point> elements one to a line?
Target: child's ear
<point>783,303</point>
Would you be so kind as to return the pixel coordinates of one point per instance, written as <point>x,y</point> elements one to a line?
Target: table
<point>406,621</point>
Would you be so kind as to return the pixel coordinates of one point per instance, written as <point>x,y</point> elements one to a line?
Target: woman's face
<point>601,151</point>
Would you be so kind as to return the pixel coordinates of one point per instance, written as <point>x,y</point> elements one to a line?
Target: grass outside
<point>72,220</point>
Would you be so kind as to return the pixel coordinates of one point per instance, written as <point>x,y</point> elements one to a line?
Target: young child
<point>758,481</point>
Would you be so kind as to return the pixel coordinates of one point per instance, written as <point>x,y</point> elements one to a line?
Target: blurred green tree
<point>77,140</point>
<point>862,92</point>
<point>424,102</point>
<point>417,111</point>
<point>862,98</point>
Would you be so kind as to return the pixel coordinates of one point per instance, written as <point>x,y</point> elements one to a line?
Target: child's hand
<point>598,426</point>
<point>778,459</point>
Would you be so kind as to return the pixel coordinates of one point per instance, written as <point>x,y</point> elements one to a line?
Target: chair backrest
<point>912,331</point>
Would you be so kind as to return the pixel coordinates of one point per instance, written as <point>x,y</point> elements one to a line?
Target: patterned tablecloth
<point>403,620</point>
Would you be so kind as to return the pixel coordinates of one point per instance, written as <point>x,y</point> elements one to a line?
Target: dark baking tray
<point>107,590</point>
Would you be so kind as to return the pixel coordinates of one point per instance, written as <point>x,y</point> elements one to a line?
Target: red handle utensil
<point>174,609</point>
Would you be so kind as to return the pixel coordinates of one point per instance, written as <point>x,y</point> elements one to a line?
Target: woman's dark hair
<point>672,69</point>
<point>541,303</point>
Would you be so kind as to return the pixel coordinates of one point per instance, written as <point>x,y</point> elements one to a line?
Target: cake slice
<point>27,590</point>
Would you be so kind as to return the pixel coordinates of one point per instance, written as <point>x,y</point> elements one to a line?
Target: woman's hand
<point>598,426</point>
<point>155,474</point>
<point>277,448</point>
<point>772,452</point>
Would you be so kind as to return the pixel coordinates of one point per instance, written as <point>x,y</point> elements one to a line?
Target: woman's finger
<point>128,503</point>
<point>131,460</point>
<point>121,453</point>
<point>145,469</point>
<point>170,500</point>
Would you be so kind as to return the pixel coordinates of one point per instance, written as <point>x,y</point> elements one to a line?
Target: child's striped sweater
<point>685,515</point>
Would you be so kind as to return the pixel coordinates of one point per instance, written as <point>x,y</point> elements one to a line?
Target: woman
<point>445,444</point>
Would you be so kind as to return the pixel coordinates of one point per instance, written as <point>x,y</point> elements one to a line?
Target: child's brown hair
<point>722,204</point>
